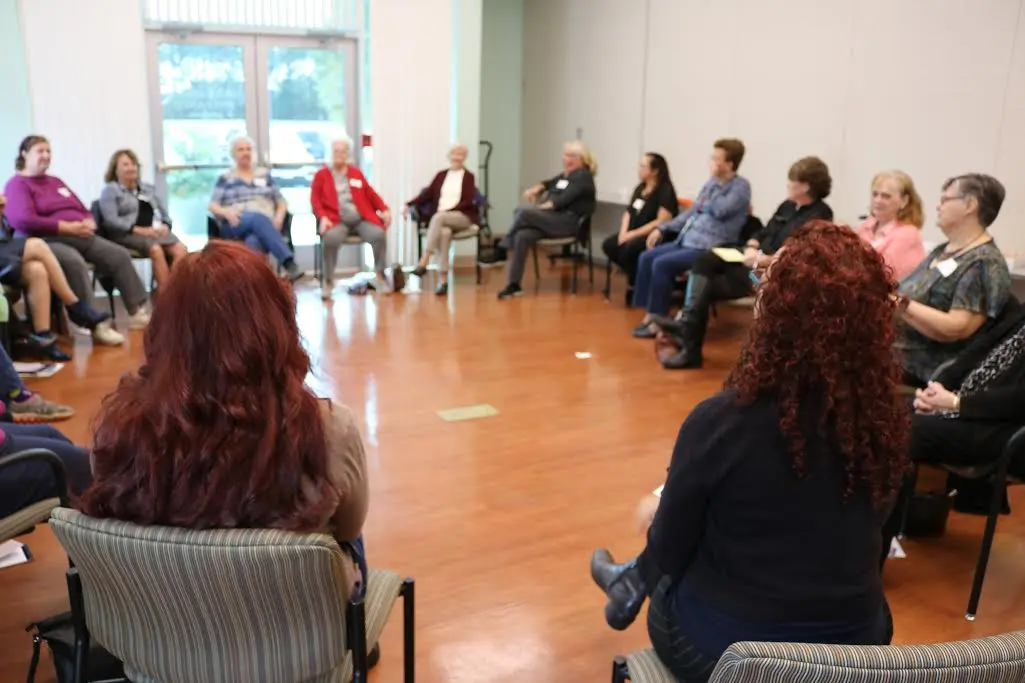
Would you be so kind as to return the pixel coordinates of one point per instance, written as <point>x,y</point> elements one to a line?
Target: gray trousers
<point>110,260</point>
<point>367,232</point>
<point>529,225</point>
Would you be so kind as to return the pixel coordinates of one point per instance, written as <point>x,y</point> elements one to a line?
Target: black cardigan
<point>1004,399</point>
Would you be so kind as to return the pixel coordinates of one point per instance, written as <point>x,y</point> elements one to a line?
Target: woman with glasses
<point>959,287</point>
<point>712,277</point>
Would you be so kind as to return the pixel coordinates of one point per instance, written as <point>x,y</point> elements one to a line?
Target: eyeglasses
<point>949,198</point>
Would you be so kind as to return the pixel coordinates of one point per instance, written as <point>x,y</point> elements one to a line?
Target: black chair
<point>213,232</point>
<point>572,249</point>
<point>107,283</point>
<point>420,216</point>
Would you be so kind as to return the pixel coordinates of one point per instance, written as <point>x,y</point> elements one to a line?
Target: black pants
<point>28,483</point>
<point>624,255</point>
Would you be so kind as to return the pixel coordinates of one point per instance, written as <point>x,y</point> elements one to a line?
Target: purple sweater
<point>36,204</point>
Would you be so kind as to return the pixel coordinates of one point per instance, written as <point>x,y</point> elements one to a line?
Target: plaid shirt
<point>717,216</point>
<point>260,195</point>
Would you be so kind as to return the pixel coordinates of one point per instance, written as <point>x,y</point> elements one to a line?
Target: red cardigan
<point>324,196</point>
<point>427,201</point>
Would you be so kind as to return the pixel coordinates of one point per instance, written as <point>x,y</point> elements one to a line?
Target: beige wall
<point>935,87</point>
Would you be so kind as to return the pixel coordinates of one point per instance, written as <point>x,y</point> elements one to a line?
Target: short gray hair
<point>235,141</point>
<point>343,140</point>
<point>987,191</point>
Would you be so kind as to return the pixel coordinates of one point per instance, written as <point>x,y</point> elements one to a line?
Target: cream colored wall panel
<point>1010,159</point>
<point>927,93</point>
<point>692,59</point>
<point>788,96</point>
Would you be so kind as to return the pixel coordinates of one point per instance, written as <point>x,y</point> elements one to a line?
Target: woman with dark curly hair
<point>768,527</point>
<point>217,429</point>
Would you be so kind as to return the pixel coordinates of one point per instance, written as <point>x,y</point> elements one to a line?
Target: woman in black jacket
<point>808,184</point>
<point>966,416</point>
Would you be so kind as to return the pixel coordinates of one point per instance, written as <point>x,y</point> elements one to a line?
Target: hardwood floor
<point>496,518</point>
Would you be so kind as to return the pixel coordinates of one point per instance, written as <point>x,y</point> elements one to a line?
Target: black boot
<point>690,325</point>
<point>624,586</point>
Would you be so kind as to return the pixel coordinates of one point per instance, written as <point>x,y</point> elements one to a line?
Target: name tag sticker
<point>561,184</point>
<point>638,204</point>
<point>946,267</point>
<point>64,192</point>
<point>355,182</point>
<point>260,182</point>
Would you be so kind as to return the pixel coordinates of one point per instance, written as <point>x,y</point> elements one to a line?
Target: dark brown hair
<point>216,429</point>
<point>733,149</point>
<point>822,343</point>
<point>111,174</point>
<point>27,144</point>
<point>813,172</point>
<point>987,191</point>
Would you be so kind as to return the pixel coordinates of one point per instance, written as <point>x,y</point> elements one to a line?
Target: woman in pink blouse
<point>895,227</point>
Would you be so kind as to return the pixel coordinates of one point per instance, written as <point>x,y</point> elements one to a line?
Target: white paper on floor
<point>12,553</point>
<point>37,370</point>
<point>582,355</point>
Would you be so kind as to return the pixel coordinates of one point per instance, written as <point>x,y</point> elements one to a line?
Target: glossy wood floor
<point>496,518</point>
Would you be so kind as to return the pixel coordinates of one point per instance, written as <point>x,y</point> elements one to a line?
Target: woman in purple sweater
<point>41,205</point>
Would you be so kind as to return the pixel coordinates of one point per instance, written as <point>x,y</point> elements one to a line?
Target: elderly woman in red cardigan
<point>449,203</point>
<point>344,204</point>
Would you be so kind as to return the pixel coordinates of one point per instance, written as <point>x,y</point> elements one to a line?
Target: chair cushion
<point>646,667</point>
<point>556,241</point>
<point>26,518</point>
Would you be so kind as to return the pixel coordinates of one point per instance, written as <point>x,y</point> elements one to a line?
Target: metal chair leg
<point>995,504</point>
<point>408,630</point>
<point>608,280</point>
<point>590,262</point>
<point>537,269</point>
<point>356,618</point>
<point>575,257</point>
<point>620,671</point>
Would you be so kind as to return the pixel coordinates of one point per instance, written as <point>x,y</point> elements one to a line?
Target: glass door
<point>292,96</point>
<point>307,88</point>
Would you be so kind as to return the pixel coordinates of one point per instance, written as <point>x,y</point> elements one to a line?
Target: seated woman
<point>961,285</point>
<point>249,207</point>
<point>716,218</point>
<point>31,482</point>
<point>134,216</point>
<point>232,386</point>
<point>652,204</point>
<point>968,414</point>
<point>28,263</point>
<point>808,184</point>
<point>895,227</point>
<point>345,204</point>
<point>570,196</point>
<point>41,205</point>
<point>807,445</point>
<point>449,204</point>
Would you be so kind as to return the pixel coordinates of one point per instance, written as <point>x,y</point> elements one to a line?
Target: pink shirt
<point>37,204</point>
<point>900,245</point>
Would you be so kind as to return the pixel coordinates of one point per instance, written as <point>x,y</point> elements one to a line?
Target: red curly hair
<point>821,342</point>
<point>216,429</point>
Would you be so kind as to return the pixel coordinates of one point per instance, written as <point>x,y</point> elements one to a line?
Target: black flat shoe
<point>624,586</point>
<point>442,289</point>
<point>643,331</point>
<point>419,271</point>
<point>374,656</point>
<point>510,291</point>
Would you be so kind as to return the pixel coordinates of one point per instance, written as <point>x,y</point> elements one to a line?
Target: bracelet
<point>957,403</point>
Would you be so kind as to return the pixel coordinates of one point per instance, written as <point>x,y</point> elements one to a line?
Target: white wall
<point>16,112</point>
<point>935,88</point>
<point>501,104</point>
<point>87,81</point>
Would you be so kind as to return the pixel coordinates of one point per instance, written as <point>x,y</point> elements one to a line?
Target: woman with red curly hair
<point>769,524</point>
<point>217,429</point>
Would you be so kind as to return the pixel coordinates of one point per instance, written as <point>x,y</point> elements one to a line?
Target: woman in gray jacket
<point>134,216</point>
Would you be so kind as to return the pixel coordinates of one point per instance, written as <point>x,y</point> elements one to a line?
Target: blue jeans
<point>359,553</point>
<point>27,483</point>
<point>657,270</point>
<point>259,234</point>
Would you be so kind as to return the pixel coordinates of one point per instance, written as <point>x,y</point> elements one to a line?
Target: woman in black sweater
<point>652,204</point>
<point>966,416</point>
<point>711,278</point>
<point>768,526</point>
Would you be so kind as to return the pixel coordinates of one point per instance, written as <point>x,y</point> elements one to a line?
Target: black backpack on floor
<point>58,632</point>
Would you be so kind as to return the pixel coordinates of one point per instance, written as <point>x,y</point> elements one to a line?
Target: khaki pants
<point>440,230</point>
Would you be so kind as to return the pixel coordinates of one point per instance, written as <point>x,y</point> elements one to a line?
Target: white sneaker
<point>139,321</point>
<point>107,335</point>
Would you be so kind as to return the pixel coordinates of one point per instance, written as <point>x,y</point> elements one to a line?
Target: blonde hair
<point>579,149</point>
<point>912,211</point>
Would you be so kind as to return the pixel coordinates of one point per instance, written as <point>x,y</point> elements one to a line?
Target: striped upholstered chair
<point>233,606</point>
<point>998,659</point>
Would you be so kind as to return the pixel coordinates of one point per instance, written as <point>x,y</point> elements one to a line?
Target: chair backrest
<point>223,605</point>
<point>94,209</point>
<point>985,660</point>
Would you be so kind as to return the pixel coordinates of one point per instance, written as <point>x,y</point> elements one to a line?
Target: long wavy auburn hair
<point>821,343</point>
<point>216,429</point>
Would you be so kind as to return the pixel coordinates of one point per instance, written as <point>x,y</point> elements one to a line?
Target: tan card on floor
<point>468,413</point>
